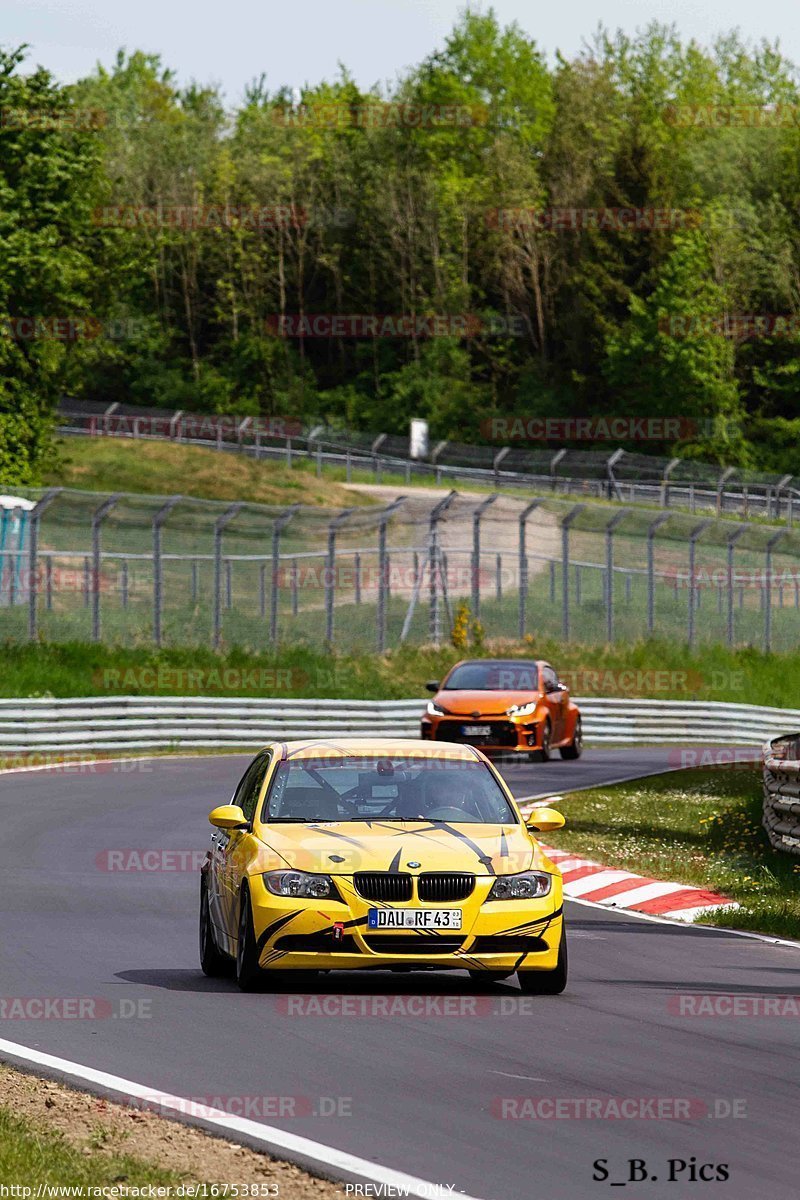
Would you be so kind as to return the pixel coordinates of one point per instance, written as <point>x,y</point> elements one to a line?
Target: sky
<point>231,42</point>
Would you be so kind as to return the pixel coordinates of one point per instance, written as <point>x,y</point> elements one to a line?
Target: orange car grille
<point>493,733</point>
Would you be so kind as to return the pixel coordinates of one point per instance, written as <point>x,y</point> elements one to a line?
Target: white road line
<point>285,1145</point>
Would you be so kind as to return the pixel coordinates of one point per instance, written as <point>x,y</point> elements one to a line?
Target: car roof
<point>348,747</point>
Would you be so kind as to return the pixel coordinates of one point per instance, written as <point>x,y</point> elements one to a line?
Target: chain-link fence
<point>134,569</point>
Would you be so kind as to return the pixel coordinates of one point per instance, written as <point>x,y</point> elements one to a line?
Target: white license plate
<point>475,730</point>
<point>414,918</point>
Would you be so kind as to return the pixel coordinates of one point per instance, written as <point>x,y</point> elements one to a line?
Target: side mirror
<point>544,820</point>
<point>432,685</point>
<point>228,816</point>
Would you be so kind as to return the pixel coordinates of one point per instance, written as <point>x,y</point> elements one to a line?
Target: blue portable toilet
<point>14,544</point>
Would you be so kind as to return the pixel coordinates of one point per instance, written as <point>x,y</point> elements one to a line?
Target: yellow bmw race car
<point>379,853</point>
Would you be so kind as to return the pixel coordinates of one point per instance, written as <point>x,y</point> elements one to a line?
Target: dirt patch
<point>98,1126</point>
<point>499,536</point>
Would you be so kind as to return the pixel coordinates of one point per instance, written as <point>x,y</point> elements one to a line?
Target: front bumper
<point>503,735</point>
<point>497,935</point>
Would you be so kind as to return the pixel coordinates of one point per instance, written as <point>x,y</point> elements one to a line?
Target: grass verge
<point>164,468</point>
<point>700,827</point>
<point>647,670</point>
<point>53,1135</point>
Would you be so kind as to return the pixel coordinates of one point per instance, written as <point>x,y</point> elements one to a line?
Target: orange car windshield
<point>383,789</point>
<point>488,676</point>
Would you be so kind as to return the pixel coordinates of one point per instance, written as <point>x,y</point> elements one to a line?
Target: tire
<point>543,753</point>
<point>575,747</point>
<point>249,975</point>
<point>212,961</point>
<point>547,983</point>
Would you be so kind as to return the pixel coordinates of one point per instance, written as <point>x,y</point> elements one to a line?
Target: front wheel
<point>575,747</point>
<point>249,975</point>
<point>543,753</point>
<point>547,983</point>
<point>212,961</point>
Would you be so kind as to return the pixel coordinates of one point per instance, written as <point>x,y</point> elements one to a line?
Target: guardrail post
<point>566,525</point>
<point>434,621</point>
<point>651,573</point>
<point>476,552</point>
<point>773,541</point>
<point>219,526</point>
<point>523,563</point>
<point>158,589</point>
<point>36,515</point>
<point>98,516</point>
<point>281,521</point>
<point>609,534</point>
<point>330,581</point>
<point>693,536</point>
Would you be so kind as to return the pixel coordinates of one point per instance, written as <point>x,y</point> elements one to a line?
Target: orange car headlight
<point>523,710</point>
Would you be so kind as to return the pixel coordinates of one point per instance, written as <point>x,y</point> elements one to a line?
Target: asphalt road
<point>432,1095</point>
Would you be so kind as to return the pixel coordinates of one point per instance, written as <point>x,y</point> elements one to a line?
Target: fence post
<point>732,540</point>
<point>726,474</point>
<point>98,516</point>
<point>609,532</point>
<point>566,525</point>
<point>476,552</point>
<point>383,562</point>
<point>651,574</point>
<point>611,479</point>
<point>773,541</point>
<point>330,582</point>
<point>36,514</point>
<point>281,521</point>
<point>437,512</point>
<point>670,467</point>
<point>219,526</point>
<point>693,536</point>
<point>523,563</point>
<point>158,590</point>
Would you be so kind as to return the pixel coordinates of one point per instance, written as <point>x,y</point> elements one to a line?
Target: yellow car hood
<point>342,847</point>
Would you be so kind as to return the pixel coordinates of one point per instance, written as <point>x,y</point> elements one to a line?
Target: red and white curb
<point>588,880</point>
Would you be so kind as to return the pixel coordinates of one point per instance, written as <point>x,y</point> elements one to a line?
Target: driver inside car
<point>434,793</point>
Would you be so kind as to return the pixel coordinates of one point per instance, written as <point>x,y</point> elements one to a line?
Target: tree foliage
<point>364,210</point>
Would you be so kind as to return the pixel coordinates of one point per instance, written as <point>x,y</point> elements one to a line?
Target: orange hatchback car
<point>504,706</point>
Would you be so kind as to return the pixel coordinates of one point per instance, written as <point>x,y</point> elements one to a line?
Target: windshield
<point>494,677</point>
<point>385,789</point>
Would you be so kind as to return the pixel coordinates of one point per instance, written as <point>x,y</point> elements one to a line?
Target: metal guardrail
<point>122,723</point>
<point>613,473</point>
<point>782,792</point>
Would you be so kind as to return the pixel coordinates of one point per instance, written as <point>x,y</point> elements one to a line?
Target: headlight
<point>434,710</point>
<point>298,883</point>
<point>529,885</point>
<point>523,710</point>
